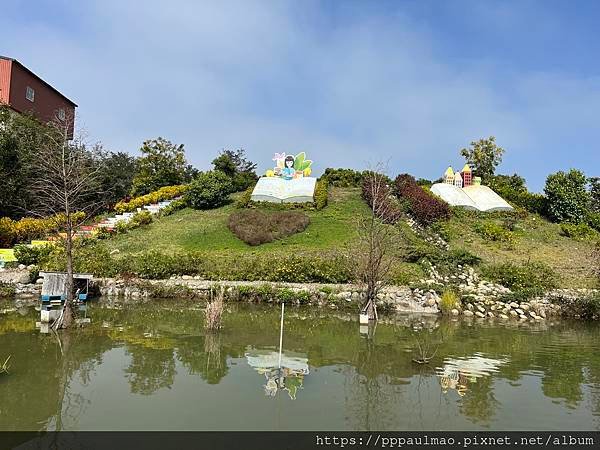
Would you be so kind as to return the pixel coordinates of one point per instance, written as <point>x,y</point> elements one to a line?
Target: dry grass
<point>4,368</point>
<point>214,311</point>
<point>256,227</point>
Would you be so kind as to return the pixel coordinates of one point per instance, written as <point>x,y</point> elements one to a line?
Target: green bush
<point>7,290</point>
<point>209,190</point>
<point>533,276</point>
<point>321,194</point>
<point>513,189</point>
<point>586,307</point>
<point>141,218</point>
<point>342,177</point>
<point>491,231</point>
<point>28,255</point>
<point>175,205</point>
<point>579,231</point>
<point>594,221</point>
<point>568,198</point>
<point>244,200</point>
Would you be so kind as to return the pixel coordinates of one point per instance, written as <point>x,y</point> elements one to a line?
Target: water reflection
<point>285,374</point>
<point>457,373</point>
<point>156,361</point>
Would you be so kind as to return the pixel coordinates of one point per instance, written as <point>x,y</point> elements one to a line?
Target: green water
<point>152,367</point>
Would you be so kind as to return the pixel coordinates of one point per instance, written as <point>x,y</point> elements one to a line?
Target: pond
<point>152,367</point>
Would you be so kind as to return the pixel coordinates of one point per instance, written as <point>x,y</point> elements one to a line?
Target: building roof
<point>40,78</point>
<point>449,172</point>
<point>467,168</point>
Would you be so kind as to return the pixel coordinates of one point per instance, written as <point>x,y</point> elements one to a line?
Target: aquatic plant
<point>214,311</point>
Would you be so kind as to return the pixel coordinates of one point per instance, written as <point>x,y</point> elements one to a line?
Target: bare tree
<point>372,256</point>
<point>66,190</point>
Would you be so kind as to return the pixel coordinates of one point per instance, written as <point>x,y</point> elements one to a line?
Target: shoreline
<point>480,299</point>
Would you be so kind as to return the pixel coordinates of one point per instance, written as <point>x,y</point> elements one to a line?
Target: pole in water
<point>281,333</point>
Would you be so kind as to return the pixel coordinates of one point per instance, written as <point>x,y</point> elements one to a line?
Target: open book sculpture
<point>461,189</point>
<point>289,181</point>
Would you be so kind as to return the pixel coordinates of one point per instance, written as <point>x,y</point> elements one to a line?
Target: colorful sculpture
<point>290,167</point>
<point>467,176</point>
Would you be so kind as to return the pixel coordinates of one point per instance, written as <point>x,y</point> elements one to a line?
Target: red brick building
<point>24,91</point>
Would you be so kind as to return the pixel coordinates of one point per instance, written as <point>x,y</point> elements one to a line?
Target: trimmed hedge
<point>321,194</point>
<point>14,232</point>
<point>423,206</point>
<point>164,193</point>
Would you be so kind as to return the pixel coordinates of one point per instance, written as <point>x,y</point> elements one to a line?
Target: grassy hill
<point>530,239</point>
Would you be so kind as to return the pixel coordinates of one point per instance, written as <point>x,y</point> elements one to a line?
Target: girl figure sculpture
<point>288,170</point>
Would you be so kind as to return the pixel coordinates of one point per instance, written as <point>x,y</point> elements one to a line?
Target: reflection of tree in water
<point>204,358</point>
<point>479,403</point>
<point>150,369</point>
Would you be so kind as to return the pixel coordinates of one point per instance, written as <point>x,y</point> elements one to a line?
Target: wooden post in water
<point>281,333</point>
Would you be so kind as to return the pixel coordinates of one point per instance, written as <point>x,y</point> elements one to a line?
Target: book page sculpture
<point>288,182</point>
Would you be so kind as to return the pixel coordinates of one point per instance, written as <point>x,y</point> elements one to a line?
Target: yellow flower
<point>307,172</point>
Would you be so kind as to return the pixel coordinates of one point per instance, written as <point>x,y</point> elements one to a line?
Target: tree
<point>483,156</point>
<point>568,198</point>
<point>208,190</point>
<point>20,136</point>
<point>116,175</point>
<point>371,256</point>
<point>162,164</point>
<point>595,193</point>
<point>236,166</point>
<point>66,184</point>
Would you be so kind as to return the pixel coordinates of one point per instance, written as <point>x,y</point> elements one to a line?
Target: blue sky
<point>352,83</point>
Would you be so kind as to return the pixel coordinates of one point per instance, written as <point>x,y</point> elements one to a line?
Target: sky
<point>351,83</point>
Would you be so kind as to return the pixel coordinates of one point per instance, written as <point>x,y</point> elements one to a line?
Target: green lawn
<point>535,240</point>
<point>192,230</point>
<point>333,228</point>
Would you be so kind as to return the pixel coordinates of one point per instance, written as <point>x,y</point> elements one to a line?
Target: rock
<point>524,306</point>
<point>22,267</point>
<point>431,302</point>
<point>39,281</point>
<point>513,313</point>
<point>454,312</point>
<point>187,277</point>
<point>468,313</point>
<point>470,306</point>
<point>514,305</point>
<point>520,311</point>
<point>480,308</point>
<point>491,315</point>
<point>503,316</point>
<point>522,317</point>
<point>479,314</point>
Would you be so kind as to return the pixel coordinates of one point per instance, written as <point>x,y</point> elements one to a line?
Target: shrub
<point>257,227</point>
<point>531,275</point>
<point>7,232</point>
<point>162,194</point>
<point>385,207</point>
<point>245,199</point>
<point>141,218</point>
<point>449,301</point>
<point>28,255</point>
<point>423,206</point>
<point>321,194</point>
<point>7,290</point>
<point>594,221</point>
<point>28,228</point>
<point>513,189</point>
<point>579,231</point>
<point>175,205</point>
<point>342,177</point>
<point>586,307</point>
<point>121,227</point>
<point>568,199</point>
<point>209,190</point>
<point>491,231</point>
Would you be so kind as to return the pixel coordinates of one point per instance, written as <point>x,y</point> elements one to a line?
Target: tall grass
<point>214,311</point>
